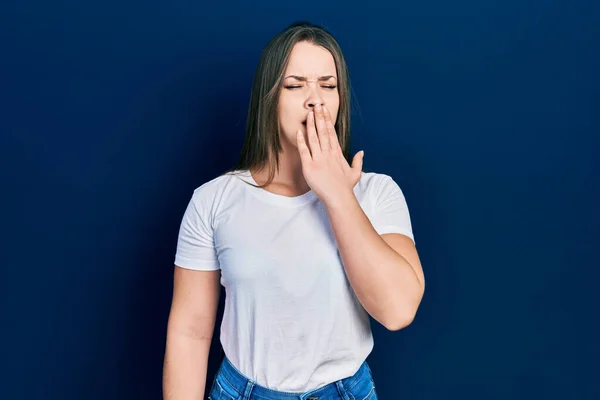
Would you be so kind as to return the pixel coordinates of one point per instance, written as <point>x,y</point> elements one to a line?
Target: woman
<point>306,245</point>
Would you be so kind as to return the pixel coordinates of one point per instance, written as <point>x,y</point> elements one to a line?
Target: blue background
<point>485,112</point>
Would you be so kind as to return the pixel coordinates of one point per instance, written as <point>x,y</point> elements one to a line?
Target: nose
<point>310,105</point>
<point>313,98</point>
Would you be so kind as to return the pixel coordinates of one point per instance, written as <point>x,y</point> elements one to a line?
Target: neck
<point>289,177</point>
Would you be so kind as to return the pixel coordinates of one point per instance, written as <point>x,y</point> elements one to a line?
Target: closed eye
<point>296,87</point>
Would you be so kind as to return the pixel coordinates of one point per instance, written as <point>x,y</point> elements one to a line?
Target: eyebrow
<point>303,78</point>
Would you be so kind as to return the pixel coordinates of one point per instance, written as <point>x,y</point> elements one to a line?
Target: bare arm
<point>189,333</point>
<point>384,270</point>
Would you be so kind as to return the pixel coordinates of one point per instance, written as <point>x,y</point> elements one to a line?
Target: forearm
<point>185,367</point>
<point>384,282</point>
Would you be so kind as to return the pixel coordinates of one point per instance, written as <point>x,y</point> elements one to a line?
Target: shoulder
<point>375,185</point>
<point>385,204</point>
<point>213,192</point>
<point>219,184</point>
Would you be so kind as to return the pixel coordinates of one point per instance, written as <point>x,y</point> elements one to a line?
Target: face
<point>310,78</point>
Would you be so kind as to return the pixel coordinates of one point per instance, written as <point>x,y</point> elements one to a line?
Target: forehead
<point>309,60</point>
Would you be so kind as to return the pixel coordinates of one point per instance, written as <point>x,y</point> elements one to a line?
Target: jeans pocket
<point>218,392</point>
<point>364,389</point>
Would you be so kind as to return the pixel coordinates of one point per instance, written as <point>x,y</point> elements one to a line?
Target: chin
<point>290,138</point>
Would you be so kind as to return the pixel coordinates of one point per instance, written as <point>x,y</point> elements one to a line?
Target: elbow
<point>399,322</point>
<point>402,316</point>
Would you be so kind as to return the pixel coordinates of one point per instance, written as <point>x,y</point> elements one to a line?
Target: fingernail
<point>318,107</point>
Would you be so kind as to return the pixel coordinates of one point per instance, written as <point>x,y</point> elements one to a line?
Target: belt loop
<point>248,391</point>
<point>342,390</point>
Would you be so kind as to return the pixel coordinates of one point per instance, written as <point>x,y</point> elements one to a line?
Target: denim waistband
<point>246,387</point>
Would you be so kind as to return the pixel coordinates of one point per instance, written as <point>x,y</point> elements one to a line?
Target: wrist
<point>342,200</point>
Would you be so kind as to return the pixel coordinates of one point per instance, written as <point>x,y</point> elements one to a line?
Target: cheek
<point>334,106</point>
<point>334,115</point>
<point>284,111</point>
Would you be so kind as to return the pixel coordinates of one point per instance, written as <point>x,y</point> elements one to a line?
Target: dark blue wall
<point>485,112</point>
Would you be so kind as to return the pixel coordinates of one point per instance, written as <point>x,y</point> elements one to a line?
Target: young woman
<point>306,244</point>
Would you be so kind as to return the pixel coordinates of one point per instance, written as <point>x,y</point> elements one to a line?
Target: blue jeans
<point>230,384</point>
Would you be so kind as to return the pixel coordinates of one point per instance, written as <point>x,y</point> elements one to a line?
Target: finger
<point>303,149</point>
<point>357,161</point>
<point>334,141</point>
<point>322,129</point>
<point>311,133</point>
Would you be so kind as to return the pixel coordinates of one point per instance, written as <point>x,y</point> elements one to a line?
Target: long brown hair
<point>262,126</point>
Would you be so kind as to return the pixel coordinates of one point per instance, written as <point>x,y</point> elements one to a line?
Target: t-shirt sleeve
<point>391,213</point>
<point>195,244</point>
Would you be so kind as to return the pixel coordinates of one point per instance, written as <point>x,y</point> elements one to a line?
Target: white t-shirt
<point>291,320</point>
